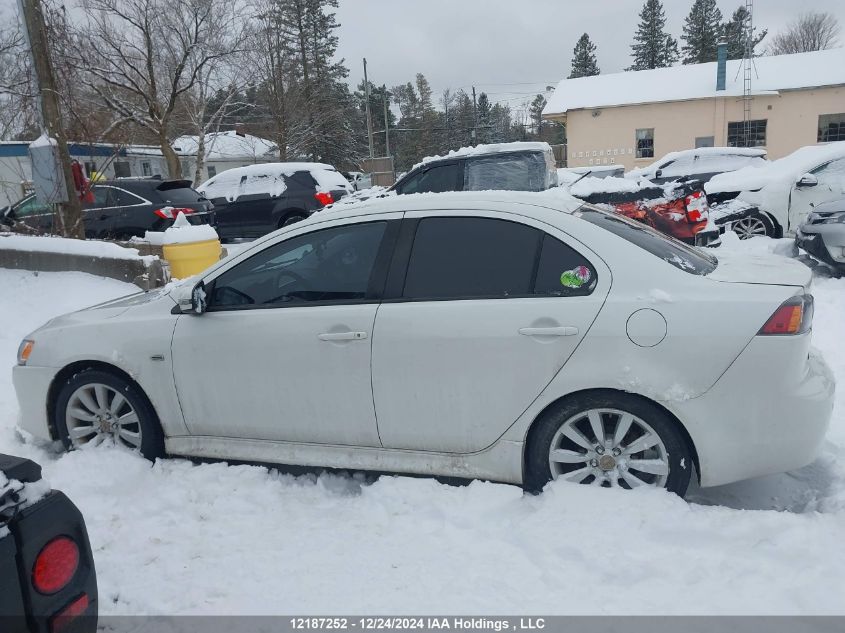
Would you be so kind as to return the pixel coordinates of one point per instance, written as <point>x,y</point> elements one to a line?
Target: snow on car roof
<point>492,148</point>
<point>751,152</point>
<point>788,169</point>
<point>698,81</point>
<point>267,178</point>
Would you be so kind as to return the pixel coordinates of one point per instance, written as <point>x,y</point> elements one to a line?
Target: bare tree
<point>813,31</point>
<point>145,55</point>
<point>17,106</point>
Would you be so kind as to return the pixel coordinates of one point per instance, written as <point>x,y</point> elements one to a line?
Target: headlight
<point>834,219</point>
<point>24,351</point>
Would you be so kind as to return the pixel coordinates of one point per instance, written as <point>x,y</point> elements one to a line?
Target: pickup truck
<point>47,579</point>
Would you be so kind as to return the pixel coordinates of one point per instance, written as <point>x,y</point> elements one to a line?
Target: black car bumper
<point>813,243</point>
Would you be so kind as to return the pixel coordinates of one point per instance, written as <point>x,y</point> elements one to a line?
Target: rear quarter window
<point>180,195</point>
<point>683,257</point>
<point>510,172</point>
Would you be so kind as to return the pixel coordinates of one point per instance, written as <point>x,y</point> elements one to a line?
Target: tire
<point>754,224</point>
<point>609,465</point>
<point>80,417</point>
<point>292,218</point>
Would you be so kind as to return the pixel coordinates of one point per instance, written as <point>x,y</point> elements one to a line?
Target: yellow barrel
<point>191,258</point>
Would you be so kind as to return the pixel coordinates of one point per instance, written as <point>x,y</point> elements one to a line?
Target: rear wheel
<point>293,218</point>
<point>609,441</point>
<point>94,406</point>
<point>753,225</point>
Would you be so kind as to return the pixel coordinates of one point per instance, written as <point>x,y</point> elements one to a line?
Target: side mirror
<point>658,173</point>
<point>807,180</point>
<point>191,299</point>
<point>199,300</point>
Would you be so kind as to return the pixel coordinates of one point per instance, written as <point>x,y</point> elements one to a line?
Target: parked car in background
<point>121,209</point>
<point>568,175</point>
<point>776,198</point>
<point>822,234</point>
<point>504,167</point>
<point>252,201</point>
<point>699,164</point>
<point>359,180</point>
<point>677,209</point>
<point>547,339</point>
<point>47,578</point>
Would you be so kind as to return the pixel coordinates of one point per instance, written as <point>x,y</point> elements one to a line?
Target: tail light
<point>697,208</point>
<point>66,616</point>
<point>171,213</point>
<point>794,316</point>
<point>324,197</point>
<point>56,565</point>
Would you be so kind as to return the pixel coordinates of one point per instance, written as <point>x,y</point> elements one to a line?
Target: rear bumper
<point>710,237</point>
<point>762,416</point>
<point>32,385</point>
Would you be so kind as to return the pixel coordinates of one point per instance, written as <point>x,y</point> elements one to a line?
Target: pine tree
<point>653,47</point>
<point>536,111</point>
<point>735,31</point>
<point>702,32</point>
<point>584,63</point>
<point>484,124</point>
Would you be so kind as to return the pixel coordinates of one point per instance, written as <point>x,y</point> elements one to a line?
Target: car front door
<point>283,352</point>
<point>829,185</point>
<point>34,214</point>
<point>485,313</point>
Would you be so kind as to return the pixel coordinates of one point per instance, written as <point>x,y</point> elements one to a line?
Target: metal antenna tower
<point>748,68</point>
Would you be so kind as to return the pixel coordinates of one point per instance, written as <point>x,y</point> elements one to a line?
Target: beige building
<point>632,118</point>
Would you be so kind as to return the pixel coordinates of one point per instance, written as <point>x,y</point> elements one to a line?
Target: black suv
<point>122,208</point>
<point>47,577</point>
<point>255,200</point>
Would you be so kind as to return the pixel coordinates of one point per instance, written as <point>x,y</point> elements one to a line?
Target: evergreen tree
<point>702,32</point>
<point>653,47</point>
<point>484,123</point>
<point>735,31</point>
<point>584,63</point>
<point>536,112</point>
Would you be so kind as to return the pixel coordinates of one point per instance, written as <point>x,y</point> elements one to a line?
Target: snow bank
<point>493,148</point>
<point>47,244</point>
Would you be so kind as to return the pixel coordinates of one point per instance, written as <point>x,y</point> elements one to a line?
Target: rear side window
<point>562,271</point>
<point>180,195</point>
<point>511,172</point>
<point>681,256</point>
<point>301,180</point>
<point>464,258</point>
<point>435,179</point>
<point>123,198</point>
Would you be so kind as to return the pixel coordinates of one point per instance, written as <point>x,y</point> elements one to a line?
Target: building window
<point>645,143</point>
<point>146,168</point>
<point>212,171</point>
<point>704,141</point>
<point>752,134</point>
<point>121,169</point>
<point>90,168</point>
<point>831,128</point>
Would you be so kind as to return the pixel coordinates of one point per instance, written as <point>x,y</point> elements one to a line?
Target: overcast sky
<point>510,49</point>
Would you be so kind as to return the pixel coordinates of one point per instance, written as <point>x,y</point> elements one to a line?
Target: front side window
<point>31,206</point>
<point>645,143</point>
<point>330,265</point>
<point>102,197</point>
<point>832,172</point>
<point>747,134</point>
<point>513,172</point>
<point>831,128</point>
<point>436,179</point>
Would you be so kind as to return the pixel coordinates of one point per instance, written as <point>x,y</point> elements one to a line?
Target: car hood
<point>772,270</point>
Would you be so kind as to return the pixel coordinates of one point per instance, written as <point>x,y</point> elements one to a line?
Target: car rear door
<point>479,315</point>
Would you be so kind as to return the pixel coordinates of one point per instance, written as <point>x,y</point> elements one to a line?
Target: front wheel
<point>609,441</point>
<point>94,406</point>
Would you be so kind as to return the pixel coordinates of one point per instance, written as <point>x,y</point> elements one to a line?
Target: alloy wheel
<point>609,448</point>
<point>749,227</point>
<point>96,412</point>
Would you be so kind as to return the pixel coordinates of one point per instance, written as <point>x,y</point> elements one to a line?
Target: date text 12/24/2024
<point>417,624</point>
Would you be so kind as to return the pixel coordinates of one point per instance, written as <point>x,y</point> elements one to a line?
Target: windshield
<point>681,256</point>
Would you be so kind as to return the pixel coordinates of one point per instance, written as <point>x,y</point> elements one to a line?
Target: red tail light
<point>55,565</point>
<point>697,207</point>
<point>324,197</point>
<point>794,316</point>
<point>171,213</point>
<point>63,618</point>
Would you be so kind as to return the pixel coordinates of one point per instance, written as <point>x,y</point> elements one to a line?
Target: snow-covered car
<point>700,164</point>
<point>47,576</point>
<point>254,200</point>
<point>526,166</point>
<point>776,198</point>
<point>822,235</point>
<point>359,180</point>
<point>509,336</point>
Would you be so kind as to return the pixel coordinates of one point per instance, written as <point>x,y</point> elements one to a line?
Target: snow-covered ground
<point>179,538</point>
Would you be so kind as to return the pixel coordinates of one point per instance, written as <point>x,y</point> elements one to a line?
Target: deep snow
<point>177,538</point>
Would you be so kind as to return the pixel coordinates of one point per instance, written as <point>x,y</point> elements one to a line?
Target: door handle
<point>566,330</point>
<point>342,336</point>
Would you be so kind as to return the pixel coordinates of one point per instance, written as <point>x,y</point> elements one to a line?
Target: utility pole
<point>369,118</point>
<point>67,218</point>
<point>474,118</point>
<point>386,128</point>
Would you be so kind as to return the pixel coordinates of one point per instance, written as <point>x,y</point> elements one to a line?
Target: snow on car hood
<point>761,269</point>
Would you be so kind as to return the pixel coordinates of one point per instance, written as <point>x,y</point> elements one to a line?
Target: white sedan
<point>516,337</point>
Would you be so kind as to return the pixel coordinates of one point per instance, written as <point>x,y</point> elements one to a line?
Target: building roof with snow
<point>230,145</point>
<point>698,81</point>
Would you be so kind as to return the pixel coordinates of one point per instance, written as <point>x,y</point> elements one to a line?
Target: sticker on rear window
<point>576,277</point>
